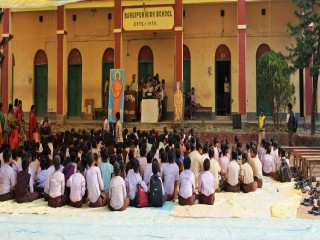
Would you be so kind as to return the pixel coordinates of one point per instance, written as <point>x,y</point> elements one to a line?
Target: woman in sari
<point>14,125</point>
<point>33,125</point>
<point>2,122</point>
<point>20,117</point>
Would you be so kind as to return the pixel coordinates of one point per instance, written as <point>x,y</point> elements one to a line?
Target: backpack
<point>285,174</point>
<point>141,199</point>
<point>295,124</point>
<point>155,194</point>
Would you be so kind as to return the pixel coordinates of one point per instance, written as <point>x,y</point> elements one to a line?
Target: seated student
<point>247,182</point>
<point>256,165</point>
<point>106,170</point>
<point>206,184</point>
<point>170,175</point>
<point>45,126</point>
<point>148,170</point>
<point>56,188</point>
<point>24,187</point>
<point>77,185</point>
<point>214,169</point>
<point>49,171</point>
<point>267,163</point>
<point>281,155</point>
<point>8,178</point>
<point>187,187</point>
<point>95,184</point>
<point>133,179</point>
<point>117,191</point>
<point>157,194</point>
<point>143,160</point>
<point>233,173</point>
<point>16,161</point>
<point>41,177</point>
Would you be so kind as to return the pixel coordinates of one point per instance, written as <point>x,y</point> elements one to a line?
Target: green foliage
<point>274,86</point>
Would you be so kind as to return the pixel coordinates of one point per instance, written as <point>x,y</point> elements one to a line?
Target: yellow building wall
<point>30,35</point>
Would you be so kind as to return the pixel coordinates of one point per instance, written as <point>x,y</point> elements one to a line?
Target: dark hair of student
<point>150,156</point>
<point>130,155</point>
<point>171,156</point>
<point>16,101</point>
<point>89,158</point>
<point>25,164</point>
<point>143,151</point>
<point>187,163</point>
<point>275,144</point>
<point>104,155</point>
<point>234,154</point>
<point>7,155</point>
<point>211,153</point>
<point>199,146</point>
<point>205,149</point>
<point>14,154</point>
<point>164,157</point>
<point>178,153</point>
<point>206,164</point>
<point>268,149</point>
<point>117,115</point>
<point>253,149</point>
<point>282,152</point>
<point>43,163</point>
<point>155,167</point>
<point>215,140</point>
<point>116,169</point>
<point>236,139</point>
<point>80,167</point>
<point>245,156</point>
<point>290,106</point>
<point>135,165</point>
<point>56,162</point>
<point>119,157</point>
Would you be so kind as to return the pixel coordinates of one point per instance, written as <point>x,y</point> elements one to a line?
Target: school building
<point>60,56</point>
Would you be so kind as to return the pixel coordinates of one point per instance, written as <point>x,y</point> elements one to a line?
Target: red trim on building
<point>178,18</point>
<point>5,65</point>
<point>117,35</point>
<point>60,38</point>
<point>242,57</point>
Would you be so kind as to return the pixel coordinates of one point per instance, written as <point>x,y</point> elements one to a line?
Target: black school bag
<point>155,194</point>
<point>285,174</point>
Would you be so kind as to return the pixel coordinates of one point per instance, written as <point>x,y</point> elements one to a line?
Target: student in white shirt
<point>143,160</point>
<point>77,185</point>
<point>106,128</point>
<point>170,176</point>
<point>132,180</point>
<point>117,191</point>
<point>147,173</point>
<point>246,176</point>
<point>216,149</point>
<point>187,187</point>
<point>204,156</point>
<point>267,164</point>
<point>50,171</point>
<point>282,155</point>
<point>233,173</point>
<point>56,189</point>
<point>206,185</point>
<point>151,188</point>
<point>224,159</point>
<point>195,157</point>
<point>256,165</point>
<point>95,184</point>
<point>214,169</point>
<point>8,178</point>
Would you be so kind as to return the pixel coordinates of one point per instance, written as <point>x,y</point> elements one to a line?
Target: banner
<point>116,94</point>
<point>34,3</point>
<point>148,18</point>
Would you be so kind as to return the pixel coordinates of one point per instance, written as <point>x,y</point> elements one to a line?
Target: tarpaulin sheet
<point>34,3</point>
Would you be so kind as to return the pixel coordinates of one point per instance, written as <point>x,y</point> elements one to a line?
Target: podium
<point>149,111</point>
<point>130,106</point>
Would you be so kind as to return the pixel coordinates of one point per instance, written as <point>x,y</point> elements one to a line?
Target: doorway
<point>41,83</point>
<point>145,60</point>
<point>107,65</point>
<point>186,70</point>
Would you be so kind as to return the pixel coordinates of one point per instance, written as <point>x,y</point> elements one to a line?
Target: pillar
<point>178,27</point>
<point>242,55</point>
<point>61,47</point>
<point>308,87</point>
<point>117,31</point>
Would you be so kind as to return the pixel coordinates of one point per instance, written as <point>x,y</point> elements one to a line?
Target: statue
<point>178,104</point>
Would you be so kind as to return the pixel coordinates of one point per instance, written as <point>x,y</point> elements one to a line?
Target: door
<point>106,67</point>
<point>145,69</point>
<point>223,69</point>
<point>74,90</point>
<point>186,77</point>
<point>41,89</point>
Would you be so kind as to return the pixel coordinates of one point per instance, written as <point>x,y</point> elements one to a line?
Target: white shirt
<point>216,153</point>
<point>267,164</point>
<point>8,179</point>
<point>256,165</point>
<point>170,174</point>
<point>106,125</point>
<point>77,185</point>
<point>206,183</point>
<point>143,165</point>
<point>94,183</point>
<point>147,173</point>
<point>16,165</point>
<point>187,184</point>
<point>247,173</point>
<point>203,157</point>
<point>195,165</point>
<point>233,172</point>
<point>215,169</point>
<point>34,168</point>
<point>224,161</point>
<point>50,170</point>
<point>56,184</point>
<point>117,192</point>
<point>133,179</point>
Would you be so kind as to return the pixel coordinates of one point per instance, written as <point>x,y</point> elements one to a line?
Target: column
<point>178,27</point>
<point>61,32</point>
<point>7,62</point>
<point>242,55</point>
<point>117,31</point>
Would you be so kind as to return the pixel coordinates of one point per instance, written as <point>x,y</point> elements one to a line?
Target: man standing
<point>261,126</point>
<point>226,95</point>
<point>133,84</point>
<point>290,123</point>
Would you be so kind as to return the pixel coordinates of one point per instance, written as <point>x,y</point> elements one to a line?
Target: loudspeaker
<point>263,11</point>
<point>222,13</point>
<point>184,13</point>
<point>40,18</point>
<point>74,17</point>
<point>109,16</point>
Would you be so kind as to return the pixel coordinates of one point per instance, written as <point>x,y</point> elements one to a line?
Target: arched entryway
<point>41,83</point>
<point>223,71</point>
<point>145,63</point>
<point>74,83</point>
<point>107,65</point>
<point>186,70</point>
<point>262,49</point>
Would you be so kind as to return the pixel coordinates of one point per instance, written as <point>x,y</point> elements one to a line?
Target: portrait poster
<point>178,100</point>
<point>116,94</point>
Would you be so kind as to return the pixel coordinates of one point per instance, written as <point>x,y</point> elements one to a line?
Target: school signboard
<point>148,18</point>
<point>116,94</point>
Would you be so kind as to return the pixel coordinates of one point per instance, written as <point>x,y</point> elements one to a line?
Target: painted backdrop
<point>116,94</point>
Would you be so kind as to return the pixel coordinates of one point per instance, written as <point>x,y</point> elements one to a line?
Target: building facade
<point>61,56</point>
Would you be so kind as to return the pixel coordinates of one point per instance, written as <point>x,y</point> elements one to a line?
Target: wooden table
<point>309,164</point>
<point>299,152</point>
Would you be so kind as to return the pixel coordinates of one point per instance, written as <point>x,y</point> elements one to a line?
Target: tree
<point>306,51</point>
<point>274,86</point>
